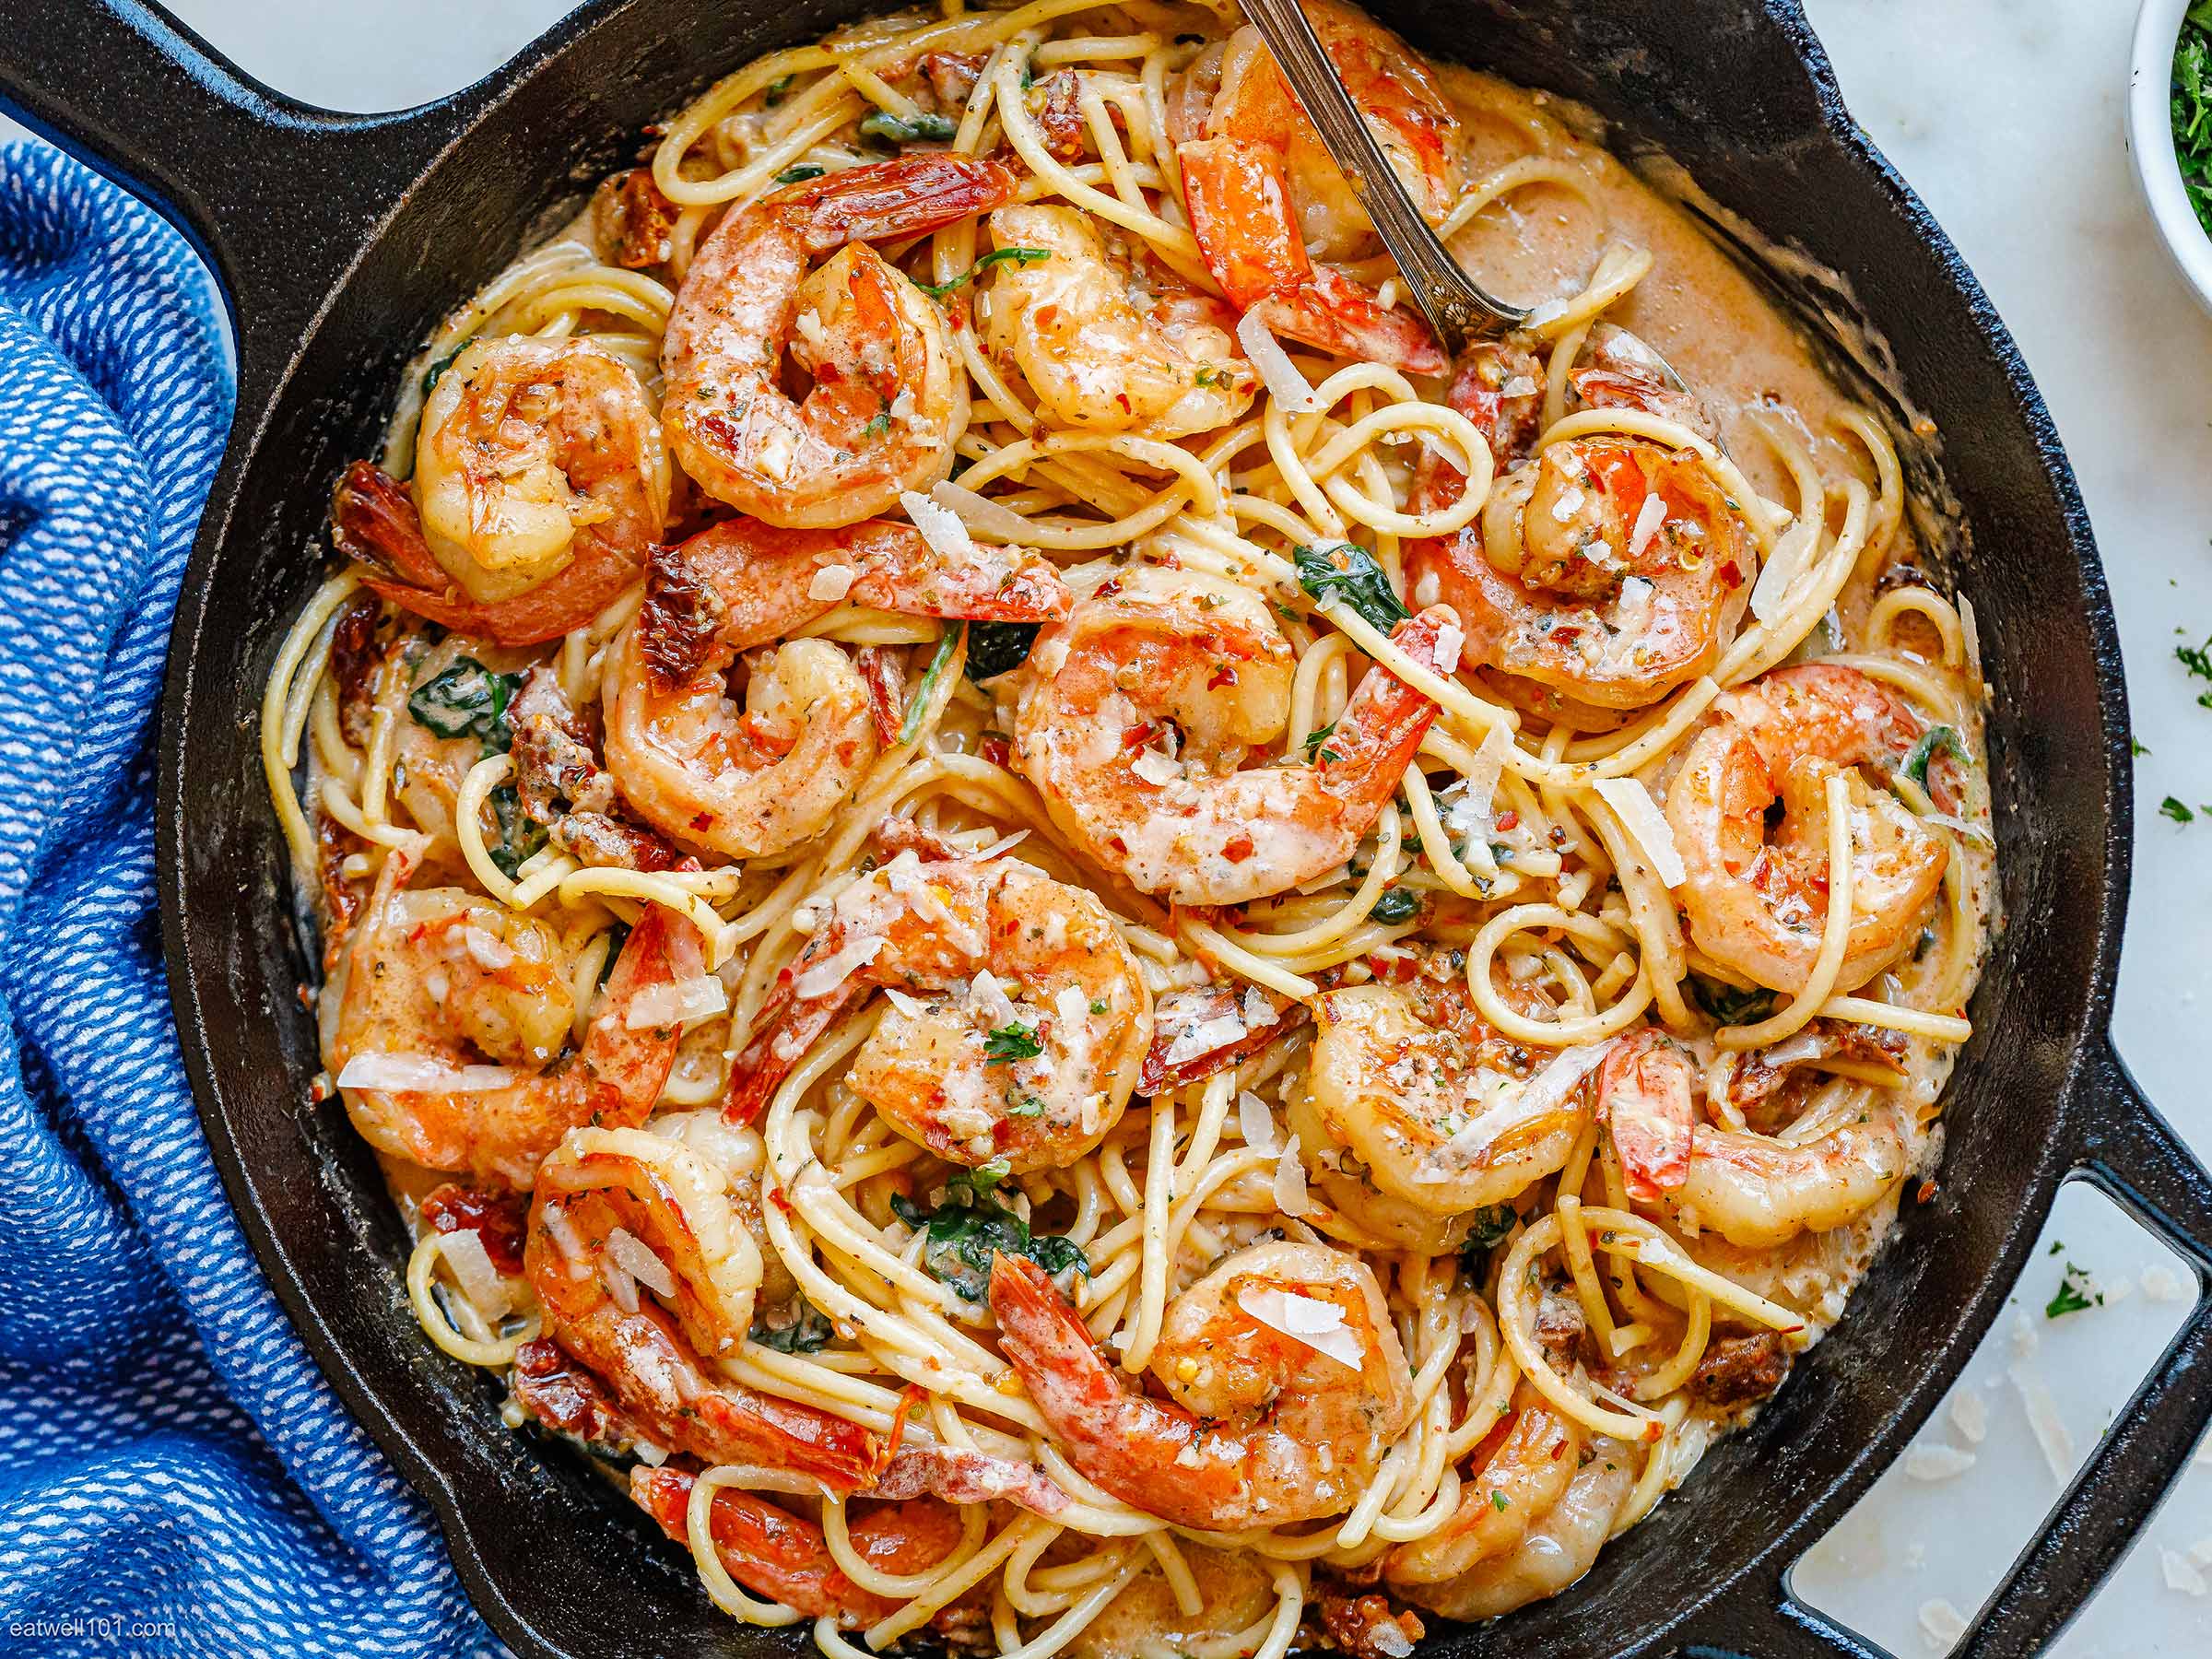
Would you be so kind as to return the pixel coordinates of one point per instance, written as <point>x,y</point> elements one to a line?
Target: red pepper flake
<point>776,1197</point>
<point>1238,848</point>
<point>997,750</point>
<point>1108,588</point>
<point>1509,820</point>
<point>912,1396</point>
<point>1731,575</point>
<point>702,820</point>
<point>1926,1193</point>
<point>1136,737</point>
<point>1223,675</point>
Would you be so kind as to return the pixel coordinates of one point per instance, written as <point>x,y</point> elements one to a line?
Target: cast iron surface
<point>341,241</point>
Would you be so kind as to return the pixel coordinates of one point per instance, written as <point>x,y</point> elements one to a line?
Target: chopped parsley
<point>2075,1293</point>
<point>1349,574</point>
<point>2193,109</point>
<point>798,1327</point>
<point>1492,1222</point>
<point>937,290</point>
<point>1397,904</point>
<point>1029,1106</point>
<point>2197,659</point>
<point>467,700</point>
<point>996,648</point>
<point>776,89</point>
<point>1499,1501</point>
<point>1312,745</point>
<point>879,426</point>
<point>2136,746</point>
<point>2175,810</point>
<point>1011,1043</point>
<point>1936,737</point>
<point>970,1226</point>
<point>431,375</point>
<point>800,174</point>
<point>1728,1005</point>
<point>894,129</point>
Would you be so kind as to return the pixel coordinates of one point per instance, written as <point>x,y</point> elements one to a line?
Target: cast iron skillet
<point>341,240</point>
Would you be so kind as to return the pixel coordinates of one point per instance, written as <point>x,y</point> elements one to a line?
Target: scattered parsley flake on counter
<point>2197,659</point>
<point>2075,1293</point>
<point>2175,810</point>
<point>2136,746</point>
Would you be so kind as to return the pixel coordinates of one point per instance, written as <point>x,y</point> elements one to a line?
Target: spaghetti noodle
<point>1068,943</point>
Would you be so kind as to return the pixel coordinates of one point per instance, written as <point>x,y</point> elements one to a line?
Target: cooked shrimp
<point>1600,576</point>
<point>1758,898</point>
<point>1519,1472</point>
<point>540,481</point>
<point>1558,1546</point>
<point>756,783</point>
<point>1019,1018</point>
<point>1201,662</point>
<point>1101,351</point>
<point>889,398</point>
<point>438,981</point>
<point>1265,201</point>
<point>1261,1427</point>
<point>621,1213</point>
<point>1427,1103</point>
<point>777,1554</point>
<point>1754,1190</point>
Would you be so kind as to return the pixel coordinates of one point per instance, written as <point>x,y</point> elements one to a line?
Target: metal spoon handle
<point>1456,306</point>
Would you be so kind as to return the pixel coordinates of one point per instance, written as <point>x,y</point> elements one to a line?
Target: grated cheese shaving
<point>1155,768</point>
<point>677,1004</point>
<point>1319,1324</point>
<point>1290,1182</point>
<point>1646,825</point>
<point>913,1007</point>
<point>1277,373</point>
<point>1970,1415</point>
<point>2182,1574</point>
<point>830,584</point>
<point>479,1280</point>
<point>2043,1418</point>
<point>421,1074</point>
<point>636,1258</point>
<point>941,527</point>
<point>1649,517</point>
<point>1938,1462</point>
<point>835,969</point>
<point>979,514</point>
<point>1258,1124</point>
<point>2160,1283</point>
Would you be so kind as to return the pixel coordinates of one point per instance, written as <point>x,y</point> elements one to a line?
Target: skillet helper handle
<point>2128,1150</point>
<point>277,196</point>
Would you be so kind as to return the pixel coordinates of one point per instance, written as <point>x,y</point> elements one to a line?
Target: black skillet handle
<point>277,196</point>
<point>2133,1153</point>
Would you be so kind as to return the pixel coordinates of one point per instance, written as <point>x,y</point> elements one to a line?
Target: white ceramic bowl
<point>2151,136</point>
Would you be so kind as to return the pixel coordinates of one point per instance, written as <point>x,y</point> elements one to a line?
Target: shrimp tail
<point>774,1553</point>
<point>1383,724</point>
<point>1048,1344</point>
<point>1241,213</point>
<point>786,1030</point>
<point>911,196</point>
<point>373,521</point>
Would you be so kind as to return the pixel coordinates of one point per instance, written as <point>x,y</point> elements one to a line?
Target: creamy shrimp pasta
<point>1076,950</point>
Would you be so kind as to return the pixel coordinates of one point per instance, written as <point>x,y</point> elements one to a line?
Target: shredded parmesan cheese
<point>1646,825</point>
<point>1938,1462</point>
<point>1277,373</point>
<point>479,1280</point>
<point>1941,1623</point>
<point>635,1257</point>
<point>2043,1418</point>
<point>830,584</point>
<point>1648,519</point>
<point>979,514</point>
<point>835,969</point>
<point>1970,1415</point>
<point>941,527</point>
<point>2182,1574</point>
<point>677,1004</point>
<point>420,1073</point>
<point>1258,1124</point>
<point>1319,1324</point>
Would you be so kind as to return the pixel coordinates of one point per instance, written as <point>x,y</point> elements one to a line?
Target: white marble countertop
<point>2006,116</point>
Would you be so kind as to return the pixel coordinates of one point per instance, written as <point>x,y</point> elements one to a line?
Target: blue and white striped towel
<point>175,1477</point>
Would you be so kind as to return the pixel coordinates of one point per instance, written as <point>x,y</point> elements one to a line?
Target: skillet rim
<point>471,108</point>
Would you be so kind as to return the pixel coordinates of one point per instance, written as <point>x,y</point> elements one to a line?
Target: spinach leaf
<point>1397,904</point>
<point>995,648</point>
<point>1936,737</point>
<point>882,123</point>
<point>946,642</point>
<point>465,700</point>
<point>971,1227</point>
<point>798,1327</point>
<point>520,837</point>
<point>801,174</point>
<point>1350,574</point>
<point>1728,1005</point>
<point>436,372</point>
